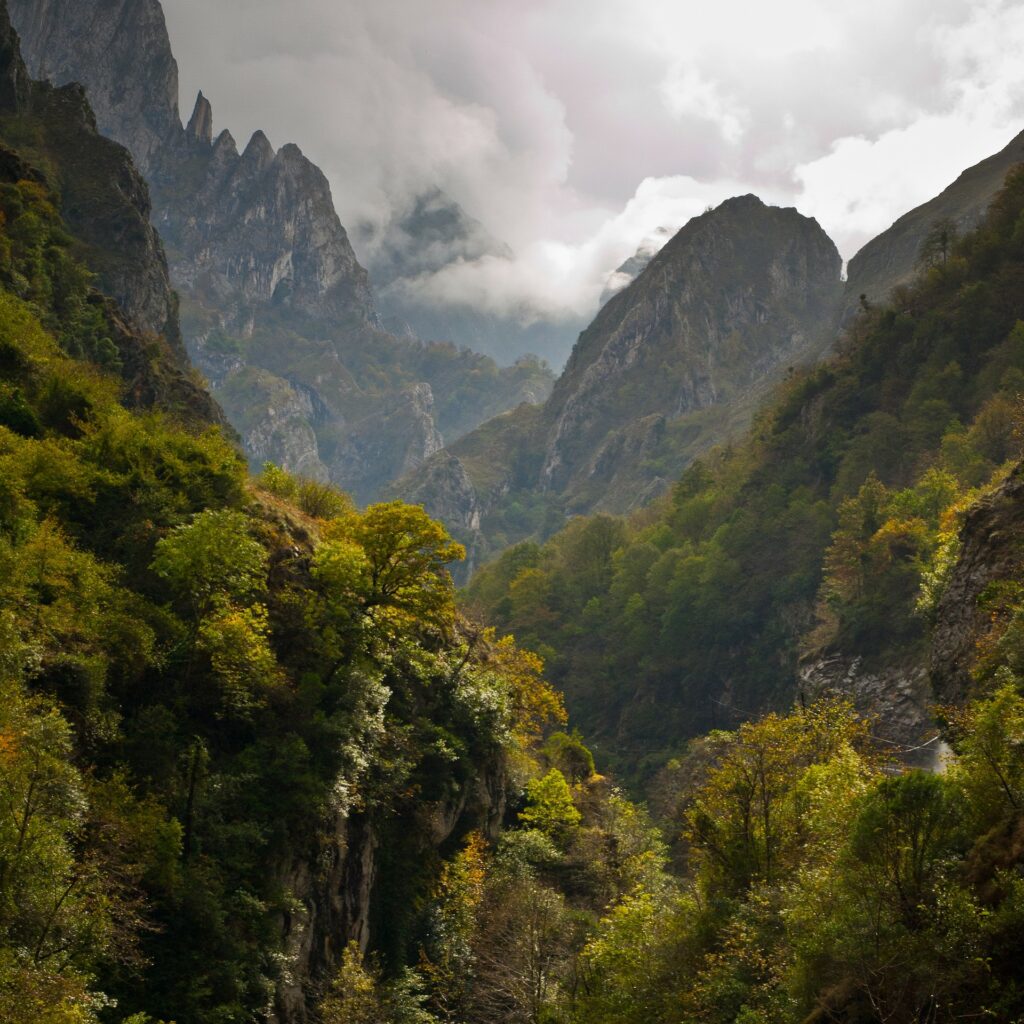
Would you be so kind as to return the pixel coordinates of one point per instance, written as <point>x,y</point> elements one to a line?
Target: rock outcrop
<point>896,698</point>
<point>991,550</point>
<point>251,229</point>
<point>255,231</point>
<point>335,882</point>
<point>389,443</point>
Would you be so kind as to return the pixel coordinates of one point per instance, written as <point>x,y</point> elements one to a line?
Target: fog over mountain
<point>572,131</point>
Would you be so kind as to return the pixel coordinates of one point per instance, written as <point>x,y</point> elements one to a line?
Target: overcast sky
<point>573,129</point>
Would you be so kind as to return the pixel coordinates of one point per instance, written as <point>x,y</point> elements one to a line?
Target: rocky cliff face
<point>131,77</point>
<point>738,293</point>
<point>901,693</point>
<point>991,550</point>
<point>897,698</point>
<point>336,881</point>
<point>278,310</point>
<point>389,443</point>
<point>892,258</point>
<point>248,229</point>
<point>671,365</point>
<point>105,202</point>
<point>253,230</point>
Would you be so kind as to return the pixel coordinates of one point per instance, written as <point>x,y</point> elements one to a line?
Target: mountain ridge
<point>272,292</point>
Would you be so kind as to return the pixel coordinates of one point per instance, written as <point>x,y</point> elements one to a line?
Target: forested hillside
<point>812,535</point>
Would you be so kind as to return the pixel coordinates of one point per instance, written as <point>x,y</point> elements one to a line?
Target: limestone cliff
<point>738,293</point>
<point>132,77</point>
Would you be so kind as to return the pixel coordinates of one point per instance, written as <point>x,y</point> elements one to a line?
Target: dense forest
<point>202,670</point>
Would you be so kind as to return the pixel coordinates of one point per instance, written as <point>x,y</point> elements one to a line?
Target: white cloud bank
<point>574,129</point>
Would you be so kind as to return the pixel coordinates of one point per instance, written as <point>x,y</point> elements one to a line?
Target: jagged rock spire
<point>259,151</point>
<point>200,125</point>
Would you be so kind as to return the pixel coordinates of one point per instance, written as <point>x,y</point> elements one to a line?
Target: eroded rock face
<point>274,417</point>
<point>131,77</point>
<point>992,549</point>
<point>333,883</point>
<point>255,231</point>
<point>737,293</point>
<point>444,487</point>
<point>896,699</point>
<point>391,442</point>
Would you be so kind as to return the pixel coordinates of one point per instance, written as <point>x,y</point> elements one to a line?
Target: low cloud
<point>574,129</point>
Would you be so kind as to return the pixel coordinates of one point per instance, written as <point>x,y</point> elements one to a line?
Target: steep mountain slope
<point>821,542</point>
<point>105,205</point>
<point>277,310</point>
<point>671,365</point>
<point>893,257</point>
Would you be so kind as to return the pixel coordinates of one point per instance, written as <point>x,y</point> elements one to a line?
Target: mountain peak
<point>747,201</point>
<point>225,143</point>
<point>200,125</point>
<point>259,150</point>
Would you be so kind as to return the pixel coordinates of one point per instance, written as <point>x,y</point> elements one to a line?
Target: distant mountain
<point>434,233</point>
<point>893,257</point>
<point>671,365</point>
<point>629,270</point>
<point>276,309</point>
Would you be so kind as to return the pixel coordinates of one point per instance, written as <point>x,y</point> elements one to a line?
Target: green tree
<point>549,806</point>
<point>938,243</point>
<point>389,562</point>
<point>212,558</point>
